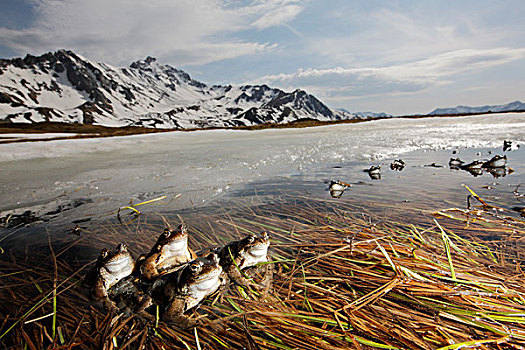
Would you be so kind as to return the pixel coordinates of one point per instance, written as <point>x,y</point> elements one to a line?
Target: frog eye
<point>213,257</point>
<point>166,233</point>
<point>195,267</point>
<point>104,253</point>
<point>122,247</point>
<point>183,228</point>
<point>251,239</point>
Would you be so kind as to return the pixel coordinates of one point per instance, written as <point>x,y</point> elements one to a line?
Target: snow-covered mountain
<point>65,87</point>
<point>346,114</point>
<point>510,107</point>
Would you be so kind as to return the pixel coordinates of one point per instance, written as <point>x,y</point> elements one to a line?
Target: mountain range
<point>65,87</point>
<point>516,106</point>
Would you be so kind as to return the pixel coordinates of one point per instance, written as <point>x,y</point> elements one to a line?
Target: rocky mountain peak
<point>66,87</point>
<point>150,60</point>
<point>164,72</point>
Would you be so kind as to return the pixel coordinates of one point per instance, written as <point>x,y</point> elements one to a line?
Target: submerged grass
<point>344,278</point>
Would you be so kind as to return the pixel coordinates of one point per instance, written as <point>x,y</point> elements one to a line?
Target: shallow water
<point>56,184</point>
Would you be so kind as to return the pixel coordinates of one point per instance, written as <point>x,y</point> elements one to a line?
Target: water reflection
<point>498,172</point>
<point>495,172</point>
<point>496,166</point>
<point>474,171</point>
<point>336,193</point>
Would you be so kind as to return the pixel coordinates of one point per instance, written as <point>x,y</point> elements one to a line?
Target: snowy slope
<point>361,115</point>
<point>510,107</point>
<point>65,87</point>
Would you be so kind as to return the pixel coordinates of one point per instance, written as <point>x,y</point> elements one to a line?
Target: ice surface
<point>335,143</point>
<point>202,165</point>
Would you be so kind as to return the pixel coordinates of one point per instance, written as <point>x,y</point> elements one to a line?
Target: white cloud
<point>336,84</point>
<point>118,31</point>
<point>278,16</point>
<point>381,35</point>
<point>431,69</point>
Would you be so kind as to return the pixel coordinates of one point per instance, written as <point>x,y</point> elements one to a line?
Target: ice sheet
<point>201,165</point>
<point>369,140</point>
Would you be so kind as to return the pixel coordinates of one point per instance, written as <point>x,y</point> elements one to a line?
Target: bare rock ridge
<point>65,87</point>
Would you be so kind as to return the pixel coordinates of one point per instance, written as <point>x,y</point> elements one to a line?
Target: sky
<point>399,57</point>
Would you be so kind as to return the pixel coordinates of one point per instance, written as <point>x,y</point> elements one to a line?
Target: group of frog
<point>175,278</point>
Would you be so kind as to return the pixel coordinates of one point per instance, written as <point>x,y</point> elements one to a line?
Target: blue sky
<point>399,57</point>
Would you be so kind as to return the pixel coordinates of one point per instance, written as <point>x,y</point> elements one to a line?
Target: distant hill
<point>65,87</point>
<point>361,115</point>
<point>510,107</point>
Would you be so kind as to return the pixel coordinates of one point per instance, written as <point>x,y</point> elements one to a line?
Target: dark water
<point>426,183</point>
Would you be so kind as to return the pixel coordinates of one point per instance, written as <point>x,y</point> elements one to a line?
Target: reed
<point>345,277</point>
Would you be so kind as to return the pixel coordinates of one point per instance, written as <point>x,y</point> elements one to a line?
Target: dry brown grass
<point>343,280</point>
<point>77,130</point>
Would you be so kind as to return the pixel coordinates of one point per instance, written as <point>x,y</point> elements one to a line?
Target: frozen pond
<point>75,181</point>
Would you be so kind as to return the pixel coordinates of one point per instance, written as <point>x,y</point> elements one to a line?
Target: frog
<point>337,188</point>
<point>374,172</point>
<point>185,288</point>
<point>169,252</point>
<point>239,260</point>
<point>111,268</point>
<point>397,164</point>
<point>475,164</point>
<point>129,297</point>
<point>496,162</point>
<point>455,163</point>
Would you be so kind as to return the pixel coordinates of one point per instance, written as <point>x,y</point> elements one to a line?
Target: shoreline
<point>444,270</point>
